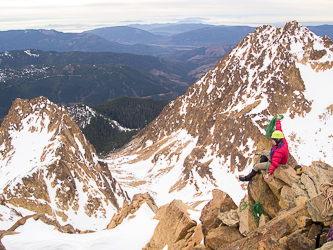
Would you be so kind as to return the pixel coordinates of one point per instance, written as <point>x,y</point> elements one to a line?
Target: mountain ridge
<point>209,135</point>
<point>47,166</point>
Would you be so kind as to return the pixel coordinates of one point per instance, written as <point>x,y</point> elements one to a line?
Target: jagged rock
<point>175,226</point>
<point>246,218</point>
<point>258,189</point>
<point>198,247</point>
<point>127,209</point>
<point>263,220</point>
<point>319,173</point>
<point>275,185</point>
<point>297,241</point>
<point>283,243</point>
<point>161,212</point>
<point>301,200</point>
<point>287,197</point>
<point>220,203</point>
<point>42,217</point>
<point>229,218</point>
<point>287,174</point>
<point>196,238</point>
<point>220,237</point>
<point>315,229</point>
<point>316,207</point>
<point>282,225</point>
<point>327,246</point>
<point>298,191</point>
<point>309,185</point>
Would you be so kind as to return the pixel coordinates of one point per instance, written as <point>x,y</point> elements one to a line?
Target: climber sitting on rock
<point>278,155</point>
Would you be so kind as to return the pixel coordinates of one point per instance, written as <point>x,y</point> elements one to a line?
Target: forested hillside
<point>91,78</point>
<point>110,125</point>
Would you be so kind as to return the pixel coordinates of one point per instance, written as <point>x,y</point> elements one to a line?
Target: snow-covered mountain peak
<point>208,136</point>
<point>47,166</point>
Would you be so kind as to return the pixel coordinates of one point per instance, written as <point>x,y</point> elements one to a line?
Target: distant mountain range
<point>155,39</point>
<point>161,67</point>
<point>170,29</point>
<point>76,77</point>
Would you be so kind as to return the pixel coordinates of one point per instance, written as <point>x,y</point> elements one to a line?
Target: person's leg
<point>260,166</point>
<point>249,176</point>
<point>264,156</point>
<point>265,153</point>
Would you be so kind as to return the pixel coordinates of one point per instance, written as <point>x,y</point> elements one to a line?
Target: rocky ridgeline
<point>226,112</point>
<point>293,206</point>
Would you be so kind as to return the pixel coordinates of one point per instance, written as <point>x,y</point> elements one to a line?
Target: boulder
<point>298,191</point>
<point>220,237</point>
<point>174,229</point>
<point>258,189</point>
<point>275,185</point>
<point>196,238</point>
<point>161,212</point>
<point>246,218</point>
<point>263,220</point>
<point>309,185</point>
<point>287,197</point>
<point>301,200</point>
<point>316,207</point>
<point>282,225</point>
<point>327,246</point>
<point>287,174</point>
<point>220,203</point>
<point>319,172</point>
<point>229,218</point>
<point>297,241</point>
<point>315,229</point>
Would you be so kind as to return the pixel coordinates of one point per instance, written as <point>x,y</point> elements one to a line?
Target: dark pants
<point>262,165</point>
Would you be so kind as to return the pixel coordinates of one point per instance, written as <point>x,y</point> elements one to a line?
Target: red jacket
<point>280,153</point>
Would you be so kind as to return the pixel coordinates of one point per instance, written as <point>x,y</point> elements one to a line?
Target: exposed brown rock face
<point>57,172</point>
<point>220,203</point>
<point>221,237</point>
<point>131,208</point>
<point>288,228</point>
<point>174,229</point>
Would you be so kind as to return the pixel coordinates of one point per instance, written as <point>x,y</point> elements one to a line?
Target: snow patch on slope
<point>310,142</point>
<point>131,234</point>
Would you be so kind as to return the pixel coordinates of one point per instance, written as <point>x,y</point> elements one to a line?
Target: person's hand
<point>266,177</point>
<point>279,117</point>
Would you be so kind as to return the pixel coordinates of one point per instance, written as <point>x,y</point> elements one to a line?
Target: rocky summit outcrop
<point>207,137</point>
<point>48,167</point>
<point>291,219</point>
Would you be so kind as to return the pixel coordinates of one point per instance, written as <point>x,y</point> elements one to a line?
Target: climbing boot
<point>249,176</point>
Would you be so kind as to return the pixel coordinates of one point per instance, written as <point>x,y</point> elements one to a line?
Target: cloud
<point>79,15</point>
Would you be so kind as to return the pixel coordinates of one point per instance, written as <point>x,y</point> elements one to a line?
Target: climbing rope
<point>329,236</point>
<point>271,126</point>
<point>327,190</point>
<point>256,209</point>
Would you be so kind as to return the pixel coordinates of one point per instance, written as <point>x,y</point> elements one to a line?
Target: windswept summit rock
<point>206,138</point>
<point>48,167</point>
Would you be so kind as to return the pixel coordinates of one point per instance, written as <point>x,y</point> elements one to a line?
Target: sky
<point>82,15</point>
